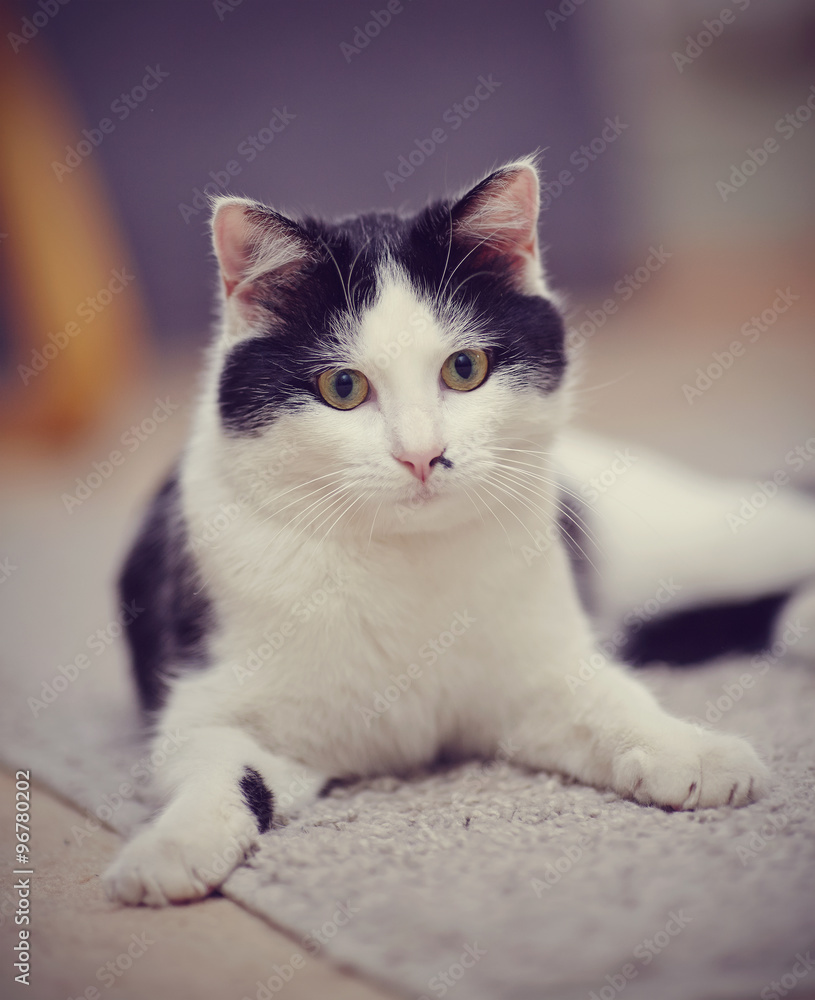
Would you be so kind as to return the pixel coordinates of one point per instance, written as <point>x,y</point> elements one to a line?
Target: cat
<point>365,557</point>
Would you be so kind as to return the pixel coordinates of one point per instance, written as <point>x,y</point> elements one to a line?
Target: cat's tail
<point>679,566</point>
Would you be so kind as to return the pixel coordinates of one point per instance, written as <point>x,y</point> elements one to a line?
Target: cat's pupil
<point>343,384</point>
<point>464,366</point>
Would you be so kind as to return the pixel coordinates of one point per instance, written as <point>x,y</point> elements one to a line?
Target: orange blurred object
<point>77,323</point>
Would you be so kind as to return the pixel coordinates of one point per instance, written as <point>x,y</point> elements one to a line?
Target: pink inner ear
<point>499,221</point>
<point>232,235</point>
<point>252,241</point>
<point>505,213</point>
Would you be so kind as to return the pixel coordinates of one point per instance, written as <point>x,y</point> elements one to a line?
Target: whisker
<point>478,509</point>
<point>342,280</point>
<point>511,511</point>
<point>341,514</point>
<point>298,486</point>
<point>368,496</point>
<point>489,236</point>
<point>555,469</point>
<point>578,389</point>
<point>291,503</point>
<point>464,281</point>
<point>556,486</point>
<point>447,259</point>
<point>280,511</point>
<point>353,265</point>
<point>562,508</point>
<point>579,498</point>
<point>373,522</point>
<point>521,467</point>
<point>540,510</point>
<point>319,503</point>
<point>536,513</point>
<point>322,515</point>
<point>494,514</point>
<point>571,541</point>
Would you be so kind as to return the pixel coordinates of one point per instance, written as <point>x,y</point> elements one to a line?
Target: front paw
<point>690,768</point>
<point>160,867</point>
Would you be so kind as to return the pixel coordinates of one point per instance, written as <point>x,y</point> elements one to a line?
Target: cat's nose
<point>420,463</point>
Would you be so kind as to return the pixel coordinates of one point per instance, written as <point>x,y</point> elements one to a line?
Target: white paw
<point>160,866</point>
<point>687,767</point>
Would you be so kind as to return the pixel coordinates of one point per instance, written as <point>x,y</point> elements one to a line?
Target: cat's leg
<point>220,790</point>
<point>606,729</point>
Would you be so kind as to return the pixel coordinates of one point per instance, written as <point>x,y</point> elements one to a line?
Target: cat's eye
<point>343,388</point>
<point>465,370</point>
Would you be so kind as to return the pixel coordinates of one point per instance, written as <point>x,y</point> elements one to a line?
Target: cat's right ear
<point>255,247</point>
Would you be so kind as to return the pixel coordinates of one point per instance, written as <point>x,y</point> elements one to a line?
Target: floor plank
<point>80,941</point>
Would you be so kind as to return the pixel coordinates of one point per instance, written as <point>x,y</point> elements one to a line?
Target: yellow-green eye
<point>465,370</point>
<point>343,388</point>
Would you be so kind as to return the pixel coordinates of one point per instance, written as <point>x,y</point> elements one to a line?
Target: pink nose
<point>420,463</point>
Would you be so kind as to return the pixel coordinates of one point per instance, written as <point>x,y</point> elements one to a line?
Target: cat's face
<point>387,374</point>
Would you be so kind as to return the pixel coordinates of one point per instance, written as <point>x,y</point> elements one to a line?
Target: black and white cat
<point>358,564</point>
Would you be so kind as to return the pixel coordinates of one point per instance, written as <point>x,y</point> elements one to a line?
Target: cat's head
<point>385,372</point>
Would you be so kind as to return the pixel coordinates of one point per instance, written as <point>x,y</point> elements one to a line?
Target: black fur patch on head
<point>526,332</point>
<point>258,797</point>
<point>277,369</point>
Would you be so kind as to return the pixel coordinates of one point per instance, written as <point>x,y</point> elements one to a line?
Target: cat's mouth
<point>432,492</point>
<point>424,492</point>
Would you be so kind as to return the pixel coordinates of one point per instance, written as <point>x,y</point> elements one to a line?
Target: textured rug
<point>484,881</point>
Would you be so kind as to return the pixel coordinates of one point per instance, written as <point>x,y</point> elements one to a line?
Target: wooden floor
<point>86,947</point>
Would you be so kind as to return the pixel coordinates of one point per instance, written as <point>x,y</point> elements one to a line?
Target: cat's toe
<point>647,777</point>
<point>156,870</point>
<point>159,867</point>
<point>691,768</point>
<point>732,772</point>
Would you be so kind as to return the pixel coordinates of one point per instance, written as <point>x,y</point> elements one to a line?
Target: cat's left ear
<point>498,221</point>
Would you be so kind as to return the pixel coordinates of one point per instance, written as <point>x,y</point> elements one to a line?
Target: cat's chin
<point>426,511</point>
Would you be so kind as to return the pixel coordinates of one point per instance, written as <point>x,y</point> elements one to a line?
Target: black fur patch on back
<point>160,576</point>
<point>696,635</point>
<point>258,797</point>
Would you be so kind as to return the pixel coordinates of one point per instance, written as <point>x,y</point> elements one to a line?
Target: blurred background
<point>677,141</point>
